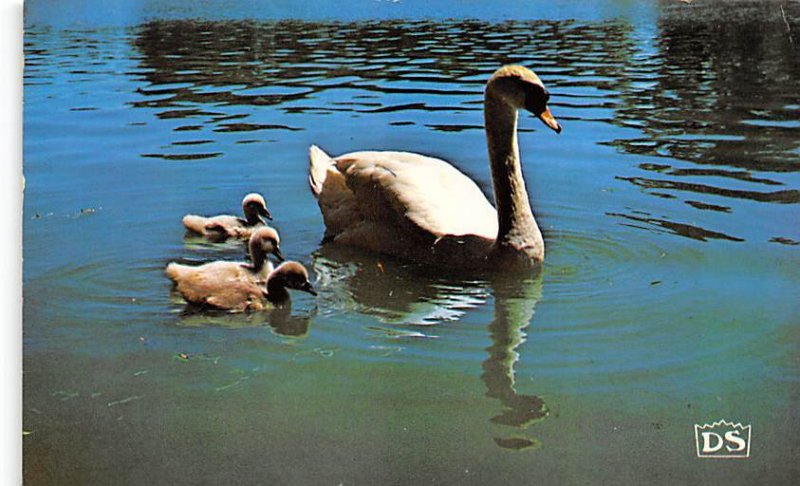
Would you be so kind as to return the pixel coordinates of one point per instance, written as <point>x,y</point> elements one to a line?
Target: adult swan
<point>423,209</point>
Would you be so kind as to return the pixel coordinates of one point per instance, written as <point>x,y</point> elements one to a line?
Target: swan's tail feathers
<point>194,223</point>
<point>318,163</point>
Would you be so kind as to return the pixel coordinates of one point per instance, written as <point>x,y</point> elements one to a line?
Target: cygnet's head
<point>254,206</point>
<point>292,275</point>
<point>264,241</point>
<point>521,88</point>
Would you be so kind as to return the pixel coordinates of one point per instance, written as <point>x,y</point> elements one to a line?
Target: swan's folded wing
<point>425,192</point>
<point>337,203</point>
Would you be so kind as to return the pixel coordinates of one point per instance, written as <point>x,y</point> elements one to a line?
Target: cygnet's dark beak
<point>277,253</point>
<point>264,212</point>
<point>307,287</point>
<point>549,120</point>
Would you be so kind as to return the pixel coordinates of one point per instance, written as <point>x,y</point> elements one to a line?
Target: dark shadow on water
<point>658,225</point>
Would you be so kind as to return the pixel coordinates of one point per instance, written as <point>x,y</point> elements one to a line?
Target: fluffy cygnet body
<point>228,226</point>
<point>240,286</point>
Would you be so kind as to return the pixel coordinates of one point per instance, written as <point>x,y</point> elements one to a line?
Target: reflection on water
<point>409,299</point>
<point>281,319</point>
<point>514,304</point>
<point>713,75</point>
<point>394,292</point>
<point>669,208</point>
<point>359,69</point>
<point>718,89</point>
<point>285,323</point>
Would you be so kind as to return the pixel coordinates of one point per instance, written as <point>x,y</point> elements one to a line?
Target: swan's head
<point>255,206</point>
<point>521,88</point>
<point>292,275</point>
<point>264,241</point>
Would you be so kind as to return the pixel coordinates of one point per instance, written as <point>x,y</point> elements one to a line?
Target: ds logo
<point>722,440</point>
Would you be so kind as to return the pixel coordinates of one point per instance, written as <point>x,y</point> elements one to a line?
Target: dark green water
<point>669,296</point>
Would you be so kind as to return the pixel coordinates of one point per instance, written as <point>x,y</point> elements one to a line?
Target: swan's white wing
<point>336,201</point>
<point>429,193</point>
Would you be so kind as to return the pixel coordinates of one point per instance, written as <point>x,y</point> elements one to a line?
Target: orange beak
<point>550,120</point>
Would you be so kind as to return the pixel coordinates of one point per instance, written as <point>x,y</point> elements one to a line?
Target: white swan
<point>240,286</point>
<point>423,209</point>
<point>255,209</point>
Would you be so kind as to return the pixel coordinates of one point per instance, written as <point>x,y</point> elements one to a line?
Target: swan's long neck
<point>517,228</point>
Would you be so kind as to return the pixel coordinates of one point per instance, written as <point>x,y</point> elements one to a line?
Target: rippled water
<point>669,207</point>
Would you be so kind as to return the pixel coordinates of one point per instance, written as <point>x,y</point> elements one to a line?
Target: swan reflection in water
<point>514,304</point>
<point>399,293</point>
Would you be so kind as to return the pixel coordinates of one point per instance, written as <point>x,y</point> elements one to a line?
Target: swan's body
<point>423,209</point>
<point>236,286</point>
<point>254,208</point>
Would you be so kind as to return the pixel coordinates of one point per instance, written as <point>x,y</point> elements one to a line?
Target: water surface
<point>669,207</point>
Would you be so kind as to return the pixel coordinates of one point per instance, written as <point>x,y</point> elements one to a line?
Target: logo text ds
<point>722,440</point>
